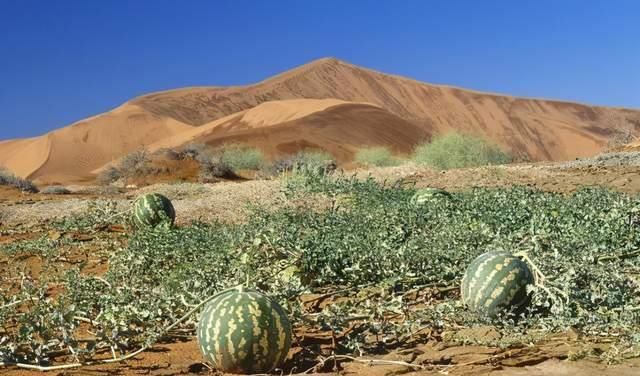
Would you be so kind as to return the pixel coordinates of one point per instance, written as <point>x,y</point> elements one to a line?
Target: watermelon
<point>426,194</point>
<point>496,282</point>
<point>243,331</point>
<point>153,210</point>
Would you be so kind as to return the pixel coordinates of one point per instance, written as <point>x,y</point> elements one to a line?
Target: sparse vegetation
<point>109,175</point>
<point>169,154</point>
<point>193,150</point>
<point>455,150</point>
<point>134,163</point>
<point>213,167</point>
<point>222,162</point>
<point>131,165</point>
<point>313,157</point>
<point>9,179</point>
<point>240,157</point>
<point>376,156</point>
<point>371,248</point>
<point>304,160</point>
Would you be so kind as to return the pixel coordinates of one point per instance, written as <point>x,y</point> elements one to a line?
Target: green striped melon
<point>153,210</point>
<point>427,194</point>
<point>243,331</point>
<point>496,282</point>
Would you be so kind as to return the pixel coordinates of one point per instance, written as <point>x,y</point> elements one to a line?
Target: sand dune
<point>340,130</point>
<point>319,104</point>
<point>539,129</point>
<point>263,115</point>
<point>25,156</point>
<point>275,112</point>
<point>71,153</point>
<point>338,127</point>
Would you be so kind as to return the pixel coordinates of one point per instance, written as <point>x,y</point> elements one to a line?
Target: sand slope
<point>540,129</point>
<point>283,127</point>
<point>334,105</point>
<point>70,154</point>
<point>25,156</point>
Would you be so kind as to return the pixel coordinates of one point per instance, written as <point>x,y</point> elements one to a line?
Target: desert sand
<point>326,104</point>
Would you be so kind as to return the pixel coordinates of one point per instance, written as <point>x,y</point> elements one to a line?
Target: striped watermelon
<point>426,194</point>
<point>152,210</point>
<point>243,331</point>
<point>496,282</point>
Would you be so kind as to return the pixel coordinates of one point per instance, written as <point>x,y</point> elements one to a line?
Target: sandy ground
<point>183,358</point>
<point>226,202</point>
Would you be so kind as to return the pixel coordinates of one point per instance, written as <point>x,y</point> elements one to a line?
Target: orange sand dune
<point>284,127</point>
<point>25,156</point>
<point>340,130</point>
<point>70,154</point>
<point>536,128</point>
<point>275,112</point>
<point>337,127</point>
<point>539,129</point>
<point>263,115</point>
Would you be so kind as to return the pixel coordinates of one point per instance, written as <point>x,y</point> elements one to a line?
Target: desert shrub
<point>240,157</point>
<point>169,154</point>
<point>193,150</point>
<point>56,190</point>
<point>304,160</point>
<point>213,167</point>
<point>455,150</point>
<point>376,156</point>
<point>205,155</point>
<point>9,179</point>
<point>212,164</point>
<point>109,175</point>
<point>151,170</point>
<point>313,157</point>
<point>134,163</point>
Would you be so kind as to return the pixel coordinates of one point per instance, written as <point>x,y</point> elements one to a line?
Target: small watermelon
<point>153,210</point>
<point>243,331</point>
<point>496,282</point>
<point>426,194</point>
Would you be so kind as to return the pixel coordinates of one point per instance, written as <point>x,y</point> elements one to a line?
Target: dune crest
<point>275,112</point>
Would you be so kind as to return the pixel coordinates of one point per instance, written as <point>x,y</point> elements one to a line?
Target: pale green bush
<point>378,156</point>
<point>240,157</point>
<point>455,150</point>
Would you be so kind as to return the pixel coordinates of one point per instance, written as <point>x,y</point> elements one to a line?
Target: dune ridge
<point>536,128</point>
<point>328,104</point>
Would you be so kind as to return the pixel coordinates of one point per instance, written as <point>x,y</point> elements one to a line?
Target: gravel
<point>604,160</point>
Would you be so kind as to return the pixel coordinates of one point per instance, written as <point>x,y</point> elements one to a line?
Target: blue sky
<point>63,60</point>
